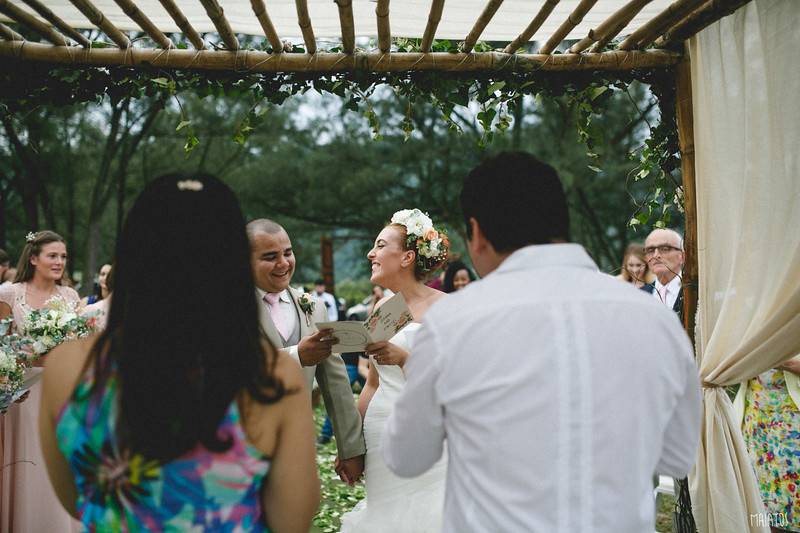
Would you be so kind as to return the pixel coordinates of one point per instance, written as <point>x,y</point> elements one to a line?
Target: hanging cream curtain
<point>745,82</point>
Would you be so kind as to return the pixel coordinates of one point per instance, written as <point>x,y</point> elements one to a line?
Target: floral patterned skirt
<point>772,432</point>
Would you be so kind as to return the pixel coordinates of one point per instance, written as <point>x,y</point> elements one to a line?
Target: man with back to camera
<point>556,410</point>
<point>287,325</point>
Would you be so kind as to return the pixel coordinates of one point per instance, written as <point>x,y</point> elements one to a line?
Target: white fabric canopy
<point>407,17</point>
<point>745,80</point>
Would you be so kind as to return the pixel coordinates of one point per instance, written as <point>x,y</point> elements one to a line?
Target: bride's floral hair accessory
<point>30,237</point>
<point>430,244</point>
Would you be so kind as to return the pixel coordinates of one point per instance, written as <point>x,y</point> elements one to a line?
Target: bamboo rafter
<point>258,61</point>
<point>573,20</point>
<point>348,26</point>
<point>648,32</point>
<point>480,25</point>
<point>217,16</point>
<point>97,18</point>
<point>181,21</point>
<point>144,22</point>
<point>305,26</point>
<point>384,30</point>
<point>603,41</point>
<point>260,11</point>
<point>8,34</point>
<point>434,17</point>
<point>712,11</point>
<point>56,21</point>
<point>28,20</point>
<point>614,23</point>
<point>533,27</point>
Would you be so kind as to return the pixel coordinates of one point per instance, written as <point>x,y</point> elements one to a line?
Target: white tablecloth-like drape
<point>746,104</point>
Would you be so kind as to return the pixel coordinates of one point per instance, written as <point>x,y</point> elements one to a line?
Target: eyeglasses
<point>662,249</point>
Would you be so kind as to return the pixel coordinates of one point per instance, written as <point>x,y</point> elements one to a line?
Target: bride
<point>406,251</point>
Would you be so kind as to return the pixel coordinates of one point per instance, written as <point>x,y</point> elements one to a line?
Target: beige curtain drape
<point>746,91</point>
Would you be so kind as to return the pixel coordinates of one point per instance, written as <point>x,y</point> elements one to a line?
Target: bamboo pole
<point>8,34</point>
<point>145,23</point>
<point>260,11</point>
<point>683,108</point>
<point>348,27</point>
<point>602,42</point>
<point>26,19</point>
<point>573,20</point>
<point>259,61</point>
<point>488,12</point>
<point>712,11</point>
<point>180,20</point>
<point>217,16</point>
<point>305,26</point>
<point>648,32</point>
<point>620,17</point>
<point>97,18</point>
<point>384,31</point>
<point>53,19</point>
<point>533,27</point>
<point>434,17</point>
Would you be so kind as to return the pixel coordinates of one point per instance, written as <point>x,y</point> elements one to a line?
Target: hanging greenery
<point>28,85</point>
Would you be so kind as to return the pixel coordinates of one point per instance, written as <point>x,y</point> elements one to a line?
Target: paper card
<point>383,324</point>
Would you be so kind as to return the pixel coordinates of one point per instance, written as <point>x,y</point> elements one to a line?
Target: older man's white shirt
<point>560,392</point>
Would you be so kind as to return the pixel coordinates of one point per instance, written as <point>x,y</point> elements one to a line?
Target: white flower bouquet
<point>12,370</point>
<point>53,324</point>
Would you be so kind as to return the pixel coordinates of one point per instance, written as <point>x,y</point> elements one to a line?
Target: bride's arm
<point>369,389</point>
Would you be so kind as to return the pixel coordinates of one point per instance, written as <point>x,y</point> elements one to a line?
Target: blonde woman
<point>634,268</point>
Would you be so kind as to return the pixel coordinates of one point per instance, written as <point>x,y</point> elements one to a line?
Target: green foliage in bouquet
<point>12,370</point>
<point>55,323</point>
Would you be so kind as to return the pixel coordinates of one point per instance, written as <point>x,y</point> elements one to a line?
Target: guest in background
<point>8,276</point>
<point>634,266</point>
<point>327,299</point>
<point>663,250</point>
<point>5,264</point>
<point>457,276</point>
<point>27,500</point>
<point>101,288</point>
<point>378,293</point>
<point>769,408</point>
<point>182,419</point>
<point>100,309</point>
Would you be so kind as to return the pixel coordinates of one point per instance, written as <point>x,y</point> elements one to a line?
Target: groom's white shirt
<point>560,392</point>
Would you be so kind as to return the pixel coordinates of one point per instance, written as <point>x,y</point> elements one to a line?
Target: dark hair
<point>110,279</point>
<point>319,282</point>
<point>4,258</point>
<point>184,344</point>
<point>452,269</point>
<point>33,247</point>
<point>517,200</point>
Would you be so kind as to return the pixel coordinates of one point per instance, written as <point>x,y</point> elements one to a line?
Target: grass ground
<point>338,498</point>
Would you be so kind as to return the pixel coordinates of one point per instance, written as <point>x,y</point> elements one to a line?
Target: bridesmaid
<point>27,500</point>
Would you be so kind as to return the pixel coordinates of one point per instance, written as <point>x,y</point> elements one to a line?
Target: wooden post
<point>326,248</point>
<point>683,106</point>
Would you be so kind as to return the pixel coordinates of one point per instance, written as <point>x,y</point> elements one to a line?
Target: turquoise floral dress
<point>117,491</point>
<point>772,432</point>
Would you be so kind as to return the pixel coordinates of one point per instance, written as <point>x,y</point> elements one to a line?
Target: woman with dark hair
<point>99,308</point>
<point>101,288</point>
<point>183,417</point>
<point>406,252</point>
<point>457,276</point>
<point>23,478</point>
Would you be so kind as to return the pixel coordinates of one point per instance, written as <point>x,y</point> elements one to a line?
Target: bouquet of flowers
<point>53,324</point>
<point>12,370</point>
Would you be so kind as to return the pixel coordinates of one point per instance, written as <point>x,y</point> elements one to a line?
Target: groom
<point>290,325</point>
<point>559,389</point>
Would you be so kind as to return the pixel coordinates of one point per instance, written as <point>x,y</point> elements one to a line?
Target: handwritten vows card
<point>381,325</point>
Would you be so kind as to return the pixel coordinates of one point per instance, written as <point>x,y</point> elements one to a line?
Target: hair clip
<point>30,237</point>
<point>190,185</point>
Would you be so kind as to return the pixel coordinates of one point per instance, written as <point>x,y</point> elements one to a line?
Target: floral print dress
<point>772,433</point>
<point>117,491</point>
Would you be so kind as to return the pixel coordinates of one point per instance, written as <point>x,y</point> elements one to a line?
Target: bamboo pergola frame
<point>665,31</point>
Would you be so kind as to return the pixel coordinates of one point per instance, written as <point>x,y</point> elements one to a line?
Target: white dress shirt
<point>329,302</point>
<point>673,289</point>
<point>560,392</point>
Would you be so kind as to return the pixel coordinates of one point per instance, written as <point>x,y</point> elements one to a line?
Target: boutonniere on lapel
<point>306,304</point>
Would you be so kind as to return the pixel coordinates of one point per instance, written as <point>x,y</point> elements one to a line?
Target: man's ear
<point>478,242</point>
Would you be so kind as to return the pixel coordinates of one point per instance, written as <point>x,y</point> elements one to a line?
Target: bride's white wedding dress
<point>394,504</point>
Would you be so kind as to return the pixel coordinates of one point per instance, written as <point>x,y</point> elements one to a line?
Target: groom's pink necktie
<point>273,301</point>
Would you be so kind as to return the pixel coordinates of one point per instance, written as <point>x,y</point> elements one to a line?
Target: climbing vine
<point>29,85</point>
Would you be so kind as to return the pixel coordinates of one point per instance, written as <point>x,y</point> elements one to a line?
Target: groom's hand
<point>314,349</point>
<point>350,470</point>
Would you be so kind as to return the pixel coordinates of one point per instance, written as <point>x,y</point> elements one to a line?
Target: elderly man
<point>555,412</point>
<point>663,250</point>
<point>290,324</point>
